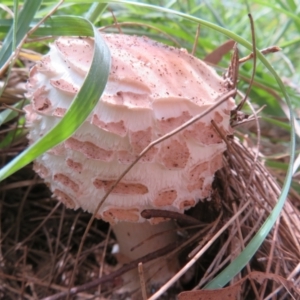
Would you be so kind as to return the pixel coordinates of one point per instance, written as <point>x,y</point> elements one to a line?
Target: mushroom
<point>152,89</point>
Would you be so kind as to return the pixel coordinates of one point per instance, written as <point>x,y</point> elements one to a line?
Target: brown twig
<point>116,23</point>
<point>196,40</point>
<point>103,258</point>
<point>271,49</point>
<point>142,281</point>
<point>241,104</point>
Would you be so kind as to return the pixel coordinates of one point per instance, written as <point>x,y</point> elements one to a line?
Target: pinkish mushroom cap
<point>152,89</point>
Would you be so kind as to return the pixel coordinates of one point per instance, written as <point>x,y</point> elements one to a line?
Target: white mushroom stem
<point>138,240</point>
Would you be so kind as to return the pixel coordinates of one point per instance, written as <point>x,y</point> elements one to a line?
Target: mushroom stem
<point>138,240</point>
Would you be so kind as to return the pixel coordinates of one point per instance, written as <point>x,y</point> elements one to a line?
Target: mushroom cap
<point>152,89</point>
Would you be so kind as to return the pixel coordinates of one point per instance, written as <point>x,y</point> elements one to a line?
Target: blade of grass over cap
<point>64,26</point>
<point>82,105</point>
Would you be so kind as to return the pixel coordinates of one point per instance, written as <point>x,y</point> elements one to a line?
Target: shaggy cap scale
<point>152,89</point>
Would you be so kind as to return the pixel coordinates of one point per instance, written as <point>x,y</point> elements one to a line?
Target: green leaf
<point>278,123</point>
<point>67,26</point>
<point>95,11</point>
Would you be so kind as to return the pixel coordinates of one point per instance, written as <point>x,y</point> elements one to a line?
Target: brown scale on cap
<point>151,90</point>
<point>216,163</point>
<point>31,118</point>
<point>187,204</point>
<point>44,66</point>
<point>126,157</point>
<point>165,198</point>
<point>218,117</point>
<point>64,198</point>
<point>113,127</point>
<point>169,124</point>
<point>150,155</point>
<point>122,187</point>
<point>203,134</point>
<point>133,100</point>
<point>41,169</point>
<point>33,79</point>
<point>196,185</point>
<point>58,150</point>
<point>89,149</point>
<point>114,215</point>
<point>59,112</point>
<point>64,86</point>
<point>140,139</point>
<point>174,154</point>
<point>157,220</point>
<point>40,101</point>
<point>76,166</point>
<point>197,170</point>
<point>66,181</point>
<point>207,191</point>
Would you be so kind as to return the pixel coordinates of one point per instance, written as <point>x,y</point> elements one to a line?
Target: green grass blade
<point>275,7</point>
<point>277,123</point>
<point>8,114</point>
<point>54,26</point>
<point>95,11</point>
<point>16,13</point>
<point>24,19</point>
<point>14,135</point>
<point>82,105</point>
<point>5,25</point>
<point>67,26</point>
